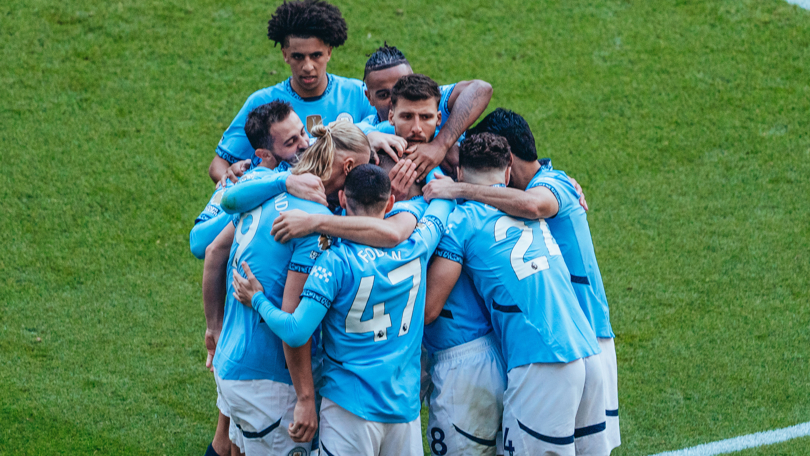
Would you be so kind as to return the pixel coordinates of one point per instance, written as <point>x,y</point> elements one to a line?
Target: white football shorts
<point>555,409</point>
<point>261,411</point>
<point>344,433</point>
<point>466,402</point>
<point>611,381</point>
<point>233,432</point>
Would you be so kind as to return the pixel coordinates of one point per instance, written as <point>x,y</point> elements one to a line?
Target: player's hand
<point>305,421</point>
<point>402,175</point>
<point>392,145</point>
<point>245,288</point>
<point>581,193</point>
<point>442,187</point>
<point>234,172</point>
<point>292,224</point>
<point>211,339</point>
<point>307,186</point>
<point>426,157</point>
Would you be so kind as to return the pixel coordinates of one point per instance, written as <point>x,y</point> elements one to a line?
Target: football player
<point>555,393</point>
<point>369,301</point>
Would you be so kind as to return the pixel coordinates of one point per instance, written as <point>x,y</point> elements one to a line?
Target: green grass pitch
<point>687,123</point>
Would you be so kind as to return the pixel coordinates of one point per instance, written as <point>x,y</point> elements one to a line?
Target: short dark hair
<point>514,128</point>
<point>484,151</point>
<point>386,162</point>
<point>368,187</point>
<point>257,127</point>
<point>415,87</point>
<point>307,19</point>
<point>384,57</point>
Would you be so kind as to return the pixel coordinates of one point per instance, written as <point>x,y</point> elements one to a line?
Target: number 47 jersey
<point>518,269</point>
<point>372,330</point>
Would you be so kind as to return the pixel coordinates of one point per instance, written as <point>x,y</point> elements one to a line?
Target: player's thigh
<point>402,439</point>
<point>344,433</point>
<point>262,410</point>
<point>590,438</point>
<point>611,382</point>
<point>466,404</point>
<point>540,407</point>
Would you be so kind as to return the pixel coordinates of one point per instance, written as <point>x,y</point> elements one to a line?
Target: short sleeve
<point>452,242</point>
<point>417,210</point>
<point>213,208</point>
<point>367,125</point>
<point>234,145</point>
<point>324,281</point>
<point>563,190</point>
<point>306,250</point>
<point>444,108</point>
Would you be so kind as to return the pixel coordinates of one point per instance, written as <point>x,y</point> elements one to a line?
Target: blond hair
<point>338,135</point>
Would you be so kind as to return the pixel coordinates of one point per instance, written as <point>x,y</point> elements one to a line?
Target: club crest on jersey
<point>324,242</point>
<point>297,451</point>
<point>345,116</point>
<point>313,120</point>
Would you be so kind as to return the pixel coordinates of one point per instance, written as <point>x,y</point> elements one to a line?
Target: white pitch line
<point>802,3</point>
<point>743,442</point>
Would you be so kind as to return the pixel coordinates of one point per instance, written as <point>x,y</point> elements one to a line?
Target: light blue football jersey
<point>372,331</point>
<point>571,230</point>
<point>464,318</point>
<point>344,98</point>
<point>518,270</point>
<point>247,348</point>
<point>374,123</point>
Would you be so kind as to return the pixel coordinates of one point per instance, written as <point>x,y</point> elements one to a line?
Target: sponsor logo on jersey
<point>345,116</point>
<point>320,273</point>
<point>313,120</point>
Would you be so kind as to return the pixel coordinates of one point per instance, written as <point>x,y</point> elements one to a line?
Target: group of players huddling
<point>366,250</point>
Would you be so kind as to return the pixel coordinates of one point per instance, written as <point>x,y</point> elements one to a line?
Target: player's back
<point>573,234</point>
<point>518,270</point>
<point>247,348</point>
<point>373,329</point>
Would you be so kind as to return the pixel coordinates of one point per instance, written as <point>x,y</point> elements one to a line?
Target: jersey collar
<point>289,89</point>
<point>545,164</point>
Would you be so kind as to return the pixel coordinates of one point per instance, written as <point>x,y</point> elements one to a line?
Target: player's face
<point>290,139</point>
<point>307,58</point>
<point>379,85</point>
<point>415,121</point>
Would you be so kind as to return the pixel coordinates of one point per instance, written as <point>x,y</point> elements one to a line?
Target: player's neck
<point>316,92</point>
<point>487,178</point>
<point>522,173</point>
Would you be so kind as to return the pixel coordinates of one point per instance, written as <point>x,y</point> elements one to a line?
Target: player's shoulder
<point>344,83</point>
<point>268,94</point>
<point>307,206</point>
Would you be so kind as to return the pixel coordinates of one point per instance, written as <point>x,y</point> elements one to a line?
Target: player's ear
<point>284,54</point>
<point>508,175</point>
<point>348,165</point>
<point>328,53</point>
<point>459,174</point>
<point>342,199</point>
<point>262,153</point>
<point>438,117</point>
<point>391,115</point>
<point>365,91</point>
<point>390,204</point>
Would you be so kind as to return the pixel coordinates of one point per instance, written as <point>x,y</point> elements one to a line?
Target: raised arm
<point>367,230</point>
<point>442,276</point>
<point>535,203</point>
<point>467,102</point>
<point>249,194</point>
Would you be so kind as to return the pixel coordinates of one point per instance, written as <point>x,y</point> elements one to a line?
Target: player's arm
<point>533,204</point>
<point>214,288</point>
<point>247,195</point>
<point>467,102</point>
<point>295,329</point>
<point>367,230</point>
<point>204,233</point>
<point>392,145</point>
<point>299,363</point>
<point>218,167</point>
<point>442,276</point>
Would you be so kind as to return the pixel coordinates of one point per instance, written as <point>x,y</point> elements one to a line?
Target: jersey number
<point>522,268</point>
<point>242,237</point>
<point>381,321</point>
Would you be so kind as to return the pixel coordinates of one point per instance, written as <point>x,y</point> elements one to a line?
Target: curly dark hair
<point>415,87</point>
<point>511,126</point>
<point>257,127</point>
<point>384,57</point>
<point>484,151</point>
<point>307,19</point>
